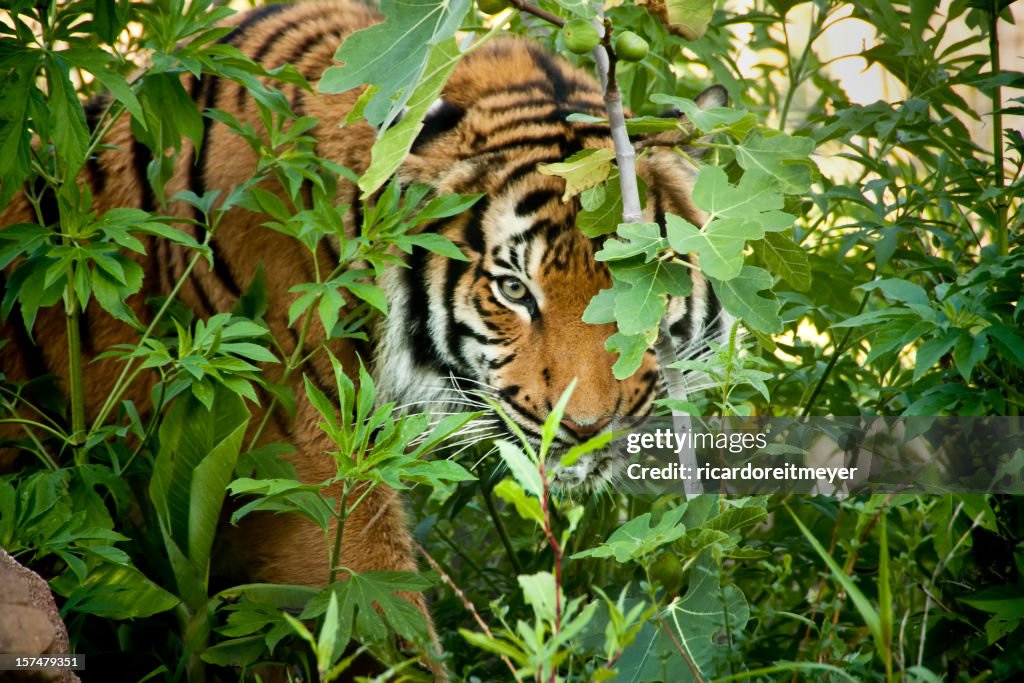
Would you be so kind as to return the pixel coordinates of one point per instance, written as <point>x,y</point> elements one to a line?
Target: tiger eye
<point>513,289</point>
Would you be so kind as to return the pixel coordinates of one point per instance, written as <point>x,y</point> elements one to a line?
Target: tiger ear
<point>714,96</point>
<point>669,174</point>
<point>441,117</point>
<point>436,149</point>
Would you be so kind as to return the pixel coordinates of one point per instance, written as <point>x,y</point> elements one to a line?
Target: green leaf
<point>371,294</point>
<point>898,290</point>
<point>540,592</point>
<point>706,120</point>
<point>603,218</point>
<point>631,349</point>
<point>438,244</point>
<point>369,607</point>
<point>639,308</point>
<point>968,352</point>
<point>755,193</point>
<point>328,645</point>
<point>582,170</point>
<point>867,612</point>
<point>237,652</point>
<point>719,247</point>
<point>393,147</point>
<point>283,495</point>
<point>740,296</point>
<point>528,507</point>
<point>394,54</point>
<point>703,622</point>
<point>18,86</point>
<point>1006,601</point>
<point>494,645</point>
<point>783,257</point>
<point>99,63</point>
<point>930,352</point>
<point>633,239</point>
<point>780,156</point>
<point>638,537</point>
<point>194,464</point>
<point>601,308</point>
<point>522,468</point>
<point>114,592</point>
<point>688,18</point>
<point>70,131</point>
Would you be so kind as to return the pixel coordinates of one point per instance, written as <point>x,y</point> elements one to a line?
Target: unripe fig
<point>630,47</point>
<point>491,6</point>
<point>580,36</point>
<point>667,572</point>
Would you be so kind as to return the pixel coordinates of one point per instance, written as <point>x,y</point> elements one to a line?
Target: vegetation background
<point>894,290</point>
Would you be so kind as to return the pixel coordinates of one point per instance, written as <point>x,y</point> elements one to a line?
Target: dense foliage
<point>890,285</point>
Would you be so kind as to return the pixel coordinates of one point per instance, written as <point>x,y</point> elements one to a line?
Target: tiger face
<point>507,324</point>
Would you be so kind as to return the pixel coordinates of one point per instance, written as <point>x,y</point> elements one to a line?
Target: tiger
<point>505,324</point>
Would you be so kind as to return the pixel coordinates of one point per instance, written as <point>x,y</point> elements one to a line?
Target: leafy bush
<point>905,264</point>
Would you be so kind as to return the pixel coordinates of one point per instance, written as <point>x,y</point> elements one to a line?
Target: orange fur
<point>511,100</point>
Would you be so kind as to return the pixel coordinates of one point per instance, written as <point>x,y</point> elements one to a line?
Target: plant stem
<point>556,549</point>
<point>840,348</point>
<point>339,530</point>
<point>1002,236</point>
<point>470,607</point>
<point>76,379</point>
<point>294,361</point>
<point>500,527</point>
<point>524,6</point>
<point>121,383</point>
<point>625,155</point>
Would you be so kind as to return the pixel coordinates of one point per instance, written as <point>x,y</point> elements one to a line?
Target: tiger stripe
<point>452,330</point>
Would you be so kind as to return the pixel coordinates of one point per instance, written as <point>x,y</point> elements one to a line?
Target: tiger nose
<point>586,431</point>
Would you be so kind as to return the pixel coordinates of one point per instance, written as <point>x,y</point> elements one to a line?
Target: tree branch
<point>632,212</point>
<point>524,6</point>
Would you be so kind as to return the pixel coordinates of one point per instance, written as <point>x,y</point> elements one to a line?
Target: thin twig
<point>465,601</point>
<point>682,651</point>
<point>524,6</point>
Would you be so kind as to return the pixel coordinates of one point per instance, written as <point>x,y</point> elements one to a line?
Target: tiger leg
<point>290,549</point>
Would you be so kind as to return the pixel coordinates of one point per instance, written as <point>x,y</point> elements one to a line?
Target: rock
<point>29,622</point>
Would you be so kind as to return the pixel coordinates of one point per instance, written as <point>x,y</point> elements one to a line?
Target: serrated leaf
<point>393,147</point>
<point>706,120</point>
<point>633,239</point>
<point>740,296</point>
<point>18,85</point>
<point>719,247</point>
<point>70,131</point>
<point>393,54</point>
<point>369,607</point>
<point>784,258</point>
<point>582,170</point>
<point>631,350</point>
<point>604,218</point>
<point>780,156</point>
